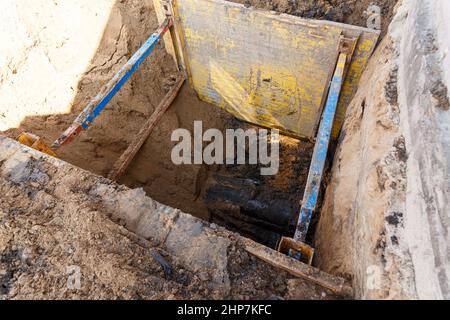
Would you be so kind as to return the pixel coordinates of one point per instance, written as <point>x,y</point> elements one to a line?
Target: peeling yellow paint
<point>193,35</point>
<point>267,69</point>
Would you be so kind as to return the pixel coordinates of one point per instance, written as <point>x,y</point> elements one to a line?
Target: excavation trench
<point>238,197</point>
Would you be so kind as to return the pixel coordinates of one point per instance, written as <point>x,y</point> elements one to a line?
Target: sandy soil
<point>98,148</point>
<point>362,213</point>
<point>184,187</point>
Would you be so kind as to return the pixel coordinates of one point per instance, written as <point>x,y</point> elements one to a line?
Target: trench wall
<point>385,218</point>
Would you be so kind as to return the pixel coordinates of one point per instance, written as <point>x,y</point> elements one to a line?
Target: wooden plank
<point>299,269</point>
<point>125,159</point>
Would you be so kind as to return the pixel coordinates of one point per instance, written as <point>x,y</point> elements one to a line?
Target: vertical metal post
<point>109,90</point>
<point>320,152</point>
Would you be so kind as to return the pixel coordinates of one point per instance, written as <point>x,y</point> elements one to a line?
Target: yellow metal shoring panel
<point>271,70</point>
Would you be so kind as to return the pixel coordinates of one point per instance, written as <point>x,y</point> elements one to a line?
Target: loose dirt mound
<point>345,11</point>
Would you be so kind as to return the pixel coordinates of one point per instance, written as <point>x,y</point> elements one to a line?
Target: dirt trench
<point>352,12</point>
<point>193,189</point>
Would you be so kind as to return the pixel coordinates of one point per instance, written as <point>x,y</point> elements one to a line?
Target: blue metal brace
<point>96,105</point>
<point>320,152</point>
